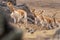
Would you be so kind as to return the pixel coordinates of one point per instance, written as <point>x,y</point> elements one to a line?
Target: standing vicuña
<point>17,14</point>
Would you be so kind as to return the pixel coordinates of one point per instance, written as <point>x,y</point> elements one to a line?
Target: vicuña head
<point>10,5</point>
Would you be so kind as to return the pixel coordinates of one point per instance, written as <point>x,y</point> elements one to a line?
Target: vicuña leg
<point>14,20</point>
<point>25,19</point>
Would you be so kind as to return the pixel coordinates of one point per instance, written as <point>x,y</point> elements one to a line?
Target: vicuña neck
<point>12,8</point>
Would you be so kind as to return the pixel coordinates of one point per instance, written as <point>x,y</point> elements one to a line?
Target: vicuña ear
<point>33,10</point>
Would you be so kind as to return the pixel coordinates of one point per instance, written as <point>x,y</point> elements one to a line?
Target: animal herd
<point>39,19</point>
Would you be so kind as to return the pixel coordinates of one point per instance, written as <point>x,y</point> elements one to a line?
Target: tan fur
<point>58,20</point>
<point>17,14</point>
<point>48,20</point>
<point>38,16</point>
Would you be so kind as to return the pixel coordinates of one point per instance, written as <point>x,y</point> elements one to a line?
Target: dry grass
<point>39,33</point>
